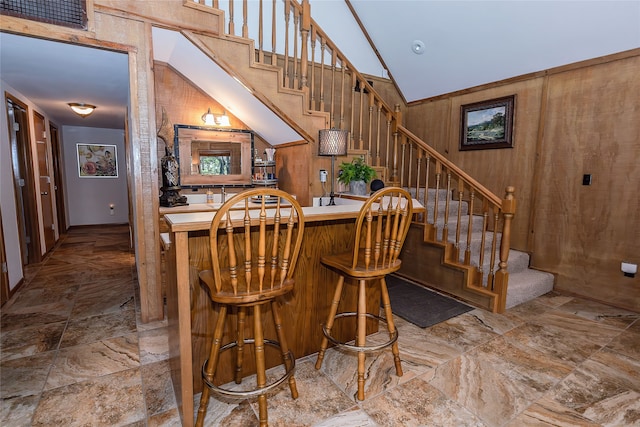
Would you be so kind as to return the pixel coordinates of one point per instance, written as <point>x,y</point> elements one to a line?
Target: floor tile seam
<point>553,388</point>
<point>356,406</point>
<point>472,348</point>
<point>144,388</point>
<point>548,395</point>
<point>105,343</point>
<point>446,397</point>
<point>101,339</point>
<point>608,343</point>
<point>617,353</point>
<point>571,366</point>
<point>601,314</point>
<point>491,328</point>
<point>331,380</point>
<point>596,321</point>
<point>607,346</point>
<point>44,384</point>
<point>489,366</point>
<point>91,379</point>
<point>537,322</point>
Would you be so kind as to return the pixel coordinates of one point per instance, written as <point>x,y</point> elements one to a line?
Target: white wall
<point>88,199</point>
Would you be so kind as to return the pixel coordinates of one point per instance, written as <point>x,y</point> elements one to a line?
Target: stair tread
<point>528,284</point>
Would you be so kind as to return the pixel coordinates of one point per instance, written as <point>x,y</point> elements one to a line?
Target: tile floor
<point>74,353</point>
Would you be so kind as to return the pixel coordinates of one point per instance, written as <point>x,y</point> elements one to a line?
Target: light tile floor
<point>73,352</point>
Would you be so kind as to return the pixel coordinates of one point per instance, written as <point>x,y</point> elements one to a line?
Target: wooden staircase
<point>468,281</point>
<point>467,256</point>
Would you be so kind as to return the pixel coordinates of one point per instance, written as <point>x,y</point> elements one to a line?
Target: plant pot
<point>358,188</point>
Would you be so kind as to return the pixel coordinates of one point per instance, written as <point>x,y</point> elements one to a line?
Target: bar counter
<point>191,314</point>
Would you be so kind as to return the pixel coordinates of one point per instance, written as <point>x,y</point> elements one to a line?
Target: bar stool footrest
<point>364,348</point>
<point>238,394</point>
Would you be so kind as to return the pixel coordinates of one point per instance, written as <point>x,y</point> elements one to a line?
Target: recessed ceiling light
<point>417,47</point>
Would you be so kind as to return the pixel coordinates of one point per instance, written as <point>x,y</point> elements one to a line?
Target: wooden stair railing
<point>425,171</point>
<point>313,64</point>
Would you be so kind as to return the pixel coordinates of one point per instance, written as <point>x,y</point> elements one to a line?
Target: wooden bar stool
<point>255,239</point>
<point>381,228</point>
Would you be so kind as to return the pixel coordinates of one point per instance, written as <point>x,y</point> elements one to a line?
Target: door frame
<point>21,159</point>
<point>56,152</point>
<point>44,177</point>
<point>4,273</point>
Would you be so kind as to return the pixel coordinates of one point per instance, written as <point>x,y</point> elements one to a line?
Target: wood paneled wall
<point>185,104</point>
<point>569,121</point>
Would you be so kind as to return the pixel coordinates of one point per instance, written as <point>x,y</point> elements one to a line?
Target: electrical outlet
<point>323,175</point>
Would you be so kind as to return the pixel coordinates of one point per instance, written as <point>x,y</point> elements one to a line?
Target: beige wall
<point>575,120</point>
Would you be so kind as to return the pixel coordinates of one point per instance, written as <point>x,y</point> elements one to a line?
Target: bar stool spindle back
<point>381,228</point>
<point>255,239</point>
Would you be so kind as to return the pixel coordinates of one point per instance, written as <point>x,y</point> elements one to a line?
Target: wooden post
<point>305,26</point>
<point>502,275</point>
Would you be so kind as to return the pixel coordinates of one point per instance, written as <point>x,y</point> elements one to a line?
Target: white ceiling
<point>173,48</point>
<point>467,43</point>
<point>52,74</point>
<point>474,42</point>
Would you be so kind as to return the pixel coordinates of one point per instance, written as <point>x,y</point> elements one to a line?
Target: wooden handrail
<point>451,166</point>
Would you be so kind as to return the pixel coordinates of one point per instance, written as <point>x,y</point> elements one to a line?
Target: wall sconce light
<point>211,119</point>
<point>332,142</point>
<point>82,109</point>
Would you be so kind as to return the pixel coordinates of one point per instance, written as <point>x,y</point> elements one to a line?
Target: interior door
<point>27,215</point>
<point>58,187</point>
<point>44,176</point>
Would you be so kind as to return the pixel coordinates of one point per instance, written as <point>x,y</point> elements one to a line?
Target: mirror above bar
<point>213,157</point>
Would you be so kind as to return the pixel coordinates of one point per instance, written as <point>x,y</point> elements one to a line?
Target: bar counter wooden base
<point>191,314</point>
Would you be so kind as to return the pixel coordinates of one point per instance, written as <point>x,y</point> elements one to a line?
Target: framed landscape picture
<point>487,124</point>
<point>97,161</point>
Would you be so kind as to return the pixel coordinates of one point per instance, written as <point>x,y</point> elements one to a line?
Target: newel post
<point>502,275</point>
<point>304,36</point>
<point>394,128</point>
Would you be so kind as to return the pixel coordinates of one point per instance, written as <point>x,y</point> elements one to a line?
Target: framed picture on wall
<point>97,161</point>
<point>487,124</point>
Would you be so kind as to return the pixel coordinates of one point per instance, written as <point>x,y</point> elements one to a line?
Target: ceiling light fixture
<point>417,47</point>
<point>211,119</point>
<point>82,109</point>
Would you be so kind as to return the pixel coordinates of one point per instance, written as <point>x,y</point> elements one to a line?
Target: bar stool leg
<point>361,335</point>
<point>332,313</point>
<point>388,314</point>
<point>284,348</point>
<point>261,377</point>
<point>212,364</point>
<point>242,312</point>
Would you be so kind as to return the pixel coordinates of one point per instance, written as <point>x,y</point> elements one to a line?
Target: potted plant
<point>357,175</point>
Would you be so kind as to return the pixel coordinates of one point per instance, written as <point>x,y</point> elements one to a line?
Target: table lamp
<point>332,142</point>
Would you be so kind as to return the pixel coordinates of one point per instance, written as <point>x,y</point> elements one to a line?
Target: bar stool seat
<point>253,255</point>
<point>380,230</point>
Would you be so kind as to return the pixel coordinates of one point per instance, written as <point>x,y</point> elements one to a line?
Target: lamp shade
<point>333,142</point>
<point>208,118</point>
<point>223,120</point>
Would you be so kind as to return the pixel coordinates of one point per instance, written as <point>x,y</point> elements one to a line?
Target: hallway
<point>74,352</point>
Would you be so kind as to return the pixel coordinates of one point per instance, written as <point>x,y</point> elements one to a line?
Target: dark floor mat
<point>421,306</point>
